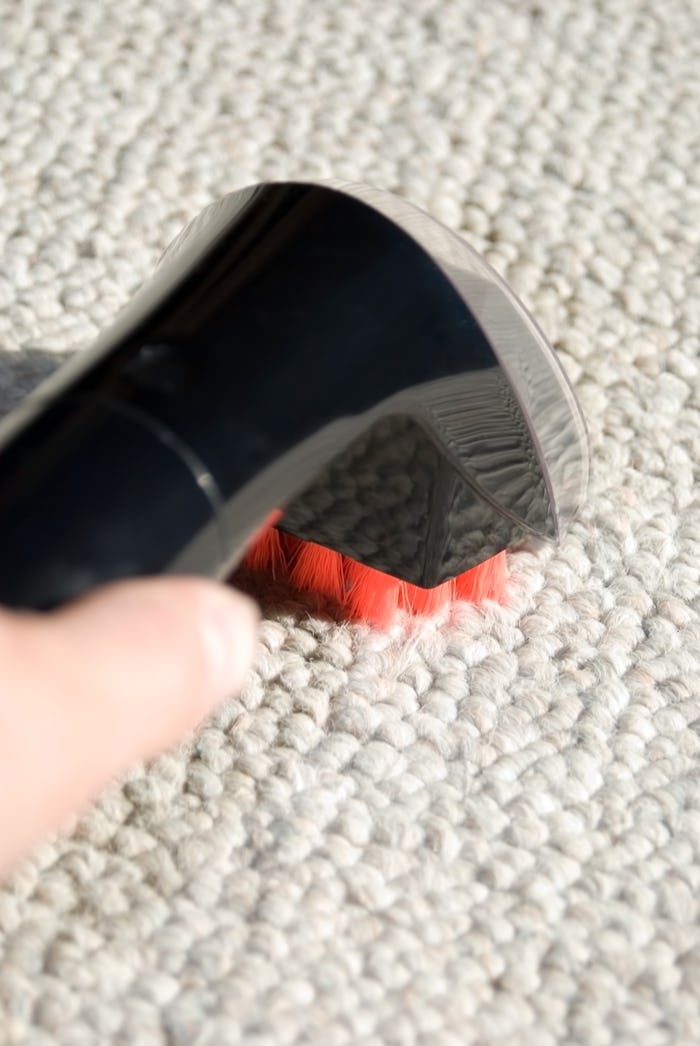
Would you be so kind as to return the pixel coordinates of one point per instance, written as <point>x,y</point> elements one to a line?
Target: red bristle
<point>292,547</point>
<point>488,580</point>
<point>266,554</point>
<point>371,595</point>
<point>362,592</point>
<point>426,600</point>
<point>319,569</point>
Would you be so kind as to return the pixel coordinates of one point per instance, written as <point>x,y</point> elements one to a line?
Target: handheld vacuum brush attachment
<point>329,353</point>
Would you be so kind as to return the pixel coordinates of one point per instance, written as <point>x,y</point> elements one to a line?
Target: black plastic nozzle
<point>326,350</point>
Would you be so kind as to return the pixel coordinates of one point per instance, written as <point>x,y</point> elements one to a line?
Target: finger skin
<point>110,679</point>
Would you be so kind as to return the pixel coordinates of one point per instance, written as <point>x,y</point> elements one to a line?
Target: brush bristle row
<point>361,593</point>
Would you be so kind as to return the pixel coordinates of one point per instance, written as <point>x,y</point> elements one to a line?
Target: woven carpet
<point>481,828</point>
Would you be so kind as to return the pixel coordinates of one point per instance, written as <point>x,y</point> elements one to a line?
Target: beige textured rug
<point>480,829</point>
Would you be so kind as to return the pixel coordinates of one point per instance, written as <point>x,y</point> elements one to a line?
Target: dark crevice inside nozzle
<point>395,500</point>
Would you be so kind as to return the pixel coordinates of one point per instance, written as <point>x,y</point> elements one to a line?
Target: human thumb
<point>114,677</point>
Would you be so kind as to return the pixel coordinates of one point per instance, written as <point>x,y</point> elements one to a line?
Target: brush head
<point>357,592</point>
<point>330,350</point>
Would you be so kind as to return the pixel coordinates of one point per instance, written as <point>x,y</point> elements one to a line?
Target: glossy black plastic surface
<point>296,349</point>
